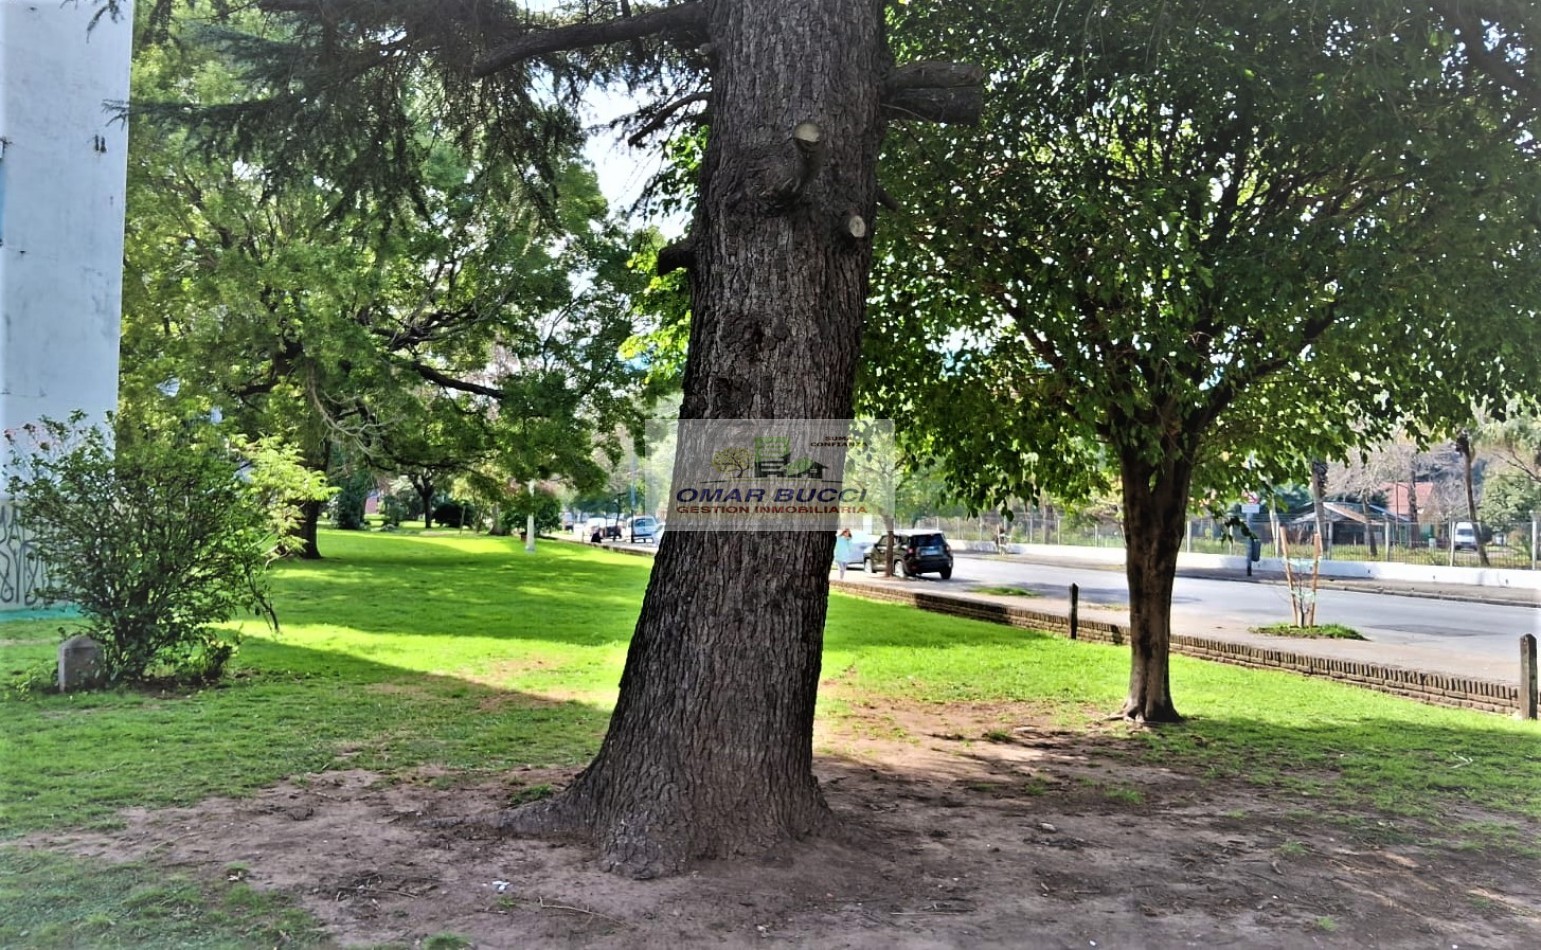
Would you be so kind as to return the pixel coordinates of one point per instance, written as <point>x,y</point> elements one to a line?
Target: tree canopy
<point>1206,245</point>
<point>455,324</point>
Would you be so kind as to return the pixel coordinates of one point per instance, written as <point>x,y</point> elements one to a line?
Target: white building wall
<point>63,161</point>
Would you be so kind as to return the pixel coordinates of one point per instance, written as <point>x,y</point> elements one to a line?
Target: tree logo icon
<point>733,462</point>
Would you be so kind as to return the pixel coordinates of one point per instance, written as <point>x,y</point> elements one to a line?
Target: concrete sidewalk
<point>1502,596</point>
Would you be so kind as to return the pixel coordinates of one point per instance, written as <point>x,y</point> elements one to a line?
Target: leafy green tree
<point>155,538</point>
<point>1518,440</point>
<point>1203,245</point>
<point>348,504</point>
<point>1510,500</point>
<point>338,318</point>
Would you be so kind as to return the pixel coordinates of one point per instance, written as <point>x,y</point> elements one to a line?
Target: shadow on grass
<point>74,760</point>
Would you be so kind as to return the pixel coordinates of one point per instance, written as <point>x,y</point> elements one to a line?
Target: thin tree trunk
<point>1414,540</point>
<point>317,460</point>
<point>1318,500</point>
<point>709,751</point>
<point>1464,447</point>
<point>1369,526</point>
<point>425,495</point>
<point>1155,509</point>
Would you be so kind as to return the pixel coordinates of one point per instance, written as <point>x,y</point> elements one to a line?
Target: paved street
<point>1464,636</point>
<point>1201,604</point>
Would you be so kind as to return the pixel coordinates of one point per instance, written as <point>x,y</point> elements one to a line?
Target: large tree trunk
<point>1155,510</point>
<point>709,752</point>
<point>306,531</point>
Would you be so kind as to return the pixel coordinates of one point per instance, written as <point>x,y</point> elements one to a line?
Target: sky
<point>622,170</point>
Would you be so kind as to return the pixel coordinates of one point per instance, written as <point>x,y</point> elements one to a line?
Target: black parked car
<point>923,552</point>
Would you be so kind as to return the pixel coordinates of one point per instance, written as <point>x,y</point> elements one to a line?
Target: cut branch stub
<point>786,180</point>
<point>676,256</point>
<point>933,75</point>
<point>960,106</point>
<point>855,226</point>
<point>684,18</point>
<point>948,93</point>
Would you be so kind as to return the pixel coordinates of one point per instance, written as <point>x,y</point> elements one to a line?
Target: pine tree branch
<point>663,114</point>
<point>684,18</point>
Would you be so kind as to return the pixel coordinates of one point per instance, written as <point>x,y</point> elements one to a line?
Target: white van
<point>1465,536</point>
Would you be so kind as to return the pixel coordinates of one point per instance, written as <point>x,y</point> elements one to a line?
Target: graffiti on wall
<point>21,573</point>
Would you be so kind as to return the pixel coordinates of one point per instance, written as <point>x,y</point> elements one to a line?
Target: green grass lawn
<point>466,652</point>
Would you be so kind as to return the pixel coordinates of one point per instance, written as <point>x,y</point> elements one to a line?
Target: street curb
<point>1497,596</point>
<point>1452,592</point>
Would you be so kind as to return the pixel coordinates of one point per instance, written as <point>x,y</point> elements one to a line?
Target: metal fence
<point>1511,545</point>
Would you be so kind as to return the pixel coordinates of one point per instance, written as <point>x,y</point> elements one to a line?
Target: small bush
<point>455,514</point>
<point>155,542</point>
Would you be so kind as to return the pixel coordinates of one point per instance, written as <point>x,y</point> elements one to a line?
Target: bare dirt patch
<point>965,827</point>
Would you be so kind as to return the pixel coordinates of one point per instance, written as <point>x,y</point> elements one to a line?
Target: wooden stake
<point>1528,676</point>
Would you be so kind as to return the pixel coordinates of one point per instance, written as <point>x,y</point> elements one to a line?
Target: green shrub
<point>393,510</point>
<point>155,542</point>
<point>348,503</point>
<point>454,513</point>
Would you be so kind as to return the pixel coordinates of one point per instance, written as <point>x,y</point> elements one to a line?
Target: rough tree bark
<point>1155,513</point>
<point>709,752</point>
<point>306,530</point>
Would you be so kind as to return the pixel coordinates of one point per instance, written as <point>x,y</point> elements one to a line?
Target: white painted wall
<point>63,162</point>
